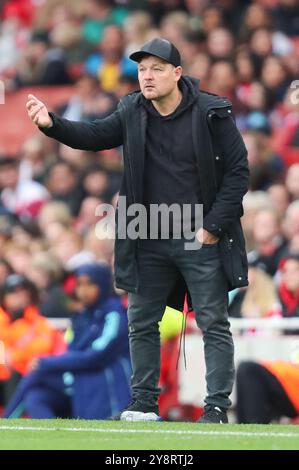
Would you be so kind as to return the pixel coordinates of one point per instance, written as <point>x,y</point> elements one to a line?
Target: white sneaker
<point>139,416</point>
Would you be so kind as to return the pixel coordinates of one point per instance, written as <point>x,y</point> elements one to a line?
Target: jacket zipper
<point>129,158</point>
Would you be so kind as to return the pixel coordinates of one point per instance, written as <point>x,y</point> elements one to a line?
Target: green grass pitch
<point>108,435</point>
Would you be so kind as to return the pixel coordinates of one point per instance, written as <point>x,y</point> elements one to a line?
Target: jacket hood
<point>193,84</point>
<point>99,274</point>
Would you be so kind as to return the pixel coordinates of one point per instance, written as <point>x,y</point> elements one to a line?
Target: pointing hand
<point>38,112</point>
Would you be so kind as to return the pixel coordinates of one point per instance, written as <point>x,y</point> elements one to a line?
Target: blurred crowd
<point>245,50</point>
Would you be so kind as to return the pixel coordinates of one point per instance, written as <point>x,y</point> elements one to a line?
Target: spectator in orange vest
<point>267,391</point>
<point>24,333</point>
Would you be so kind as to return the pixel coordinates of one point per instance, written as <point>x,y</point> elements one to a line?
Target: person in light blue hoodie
<point>91,380</point>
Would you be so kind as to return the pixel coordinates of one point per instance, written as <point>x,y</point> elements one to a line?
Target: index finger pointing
<point>32,97</point>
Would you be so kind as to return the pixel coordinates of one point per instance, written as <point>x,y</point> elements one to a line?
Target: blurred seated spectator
<point>291,223</point>
<point>275,78</point>
<point>99,241</point>
<point>26,335</point>
<point>253,202</point>
<point>245,74</point>
<point>200,68</point>
<point>256,16</point>
<point>5,270</point>
<point>66,36</point>
<point>137,27</point>
<point>21,197</point>
<point>294,244</point>
<point>95,182</point>
<point>260,17</point>
<point>258,300</point>
<point>285,123</point>
<point>99,15</point>
<point>280,199</point>
<point>220,44</point>
<point>88,217</point>
<point>261,47</point>
<point>110,63</point>
<point>269,244</point>
<point>267,391</point>
<point>289,285</point>
<point>212,17</point>
<point>62,181</point>
<point>92,379</point>
<point>10,32</point>
<point>53,13</point>
<point>46,273</point>
<point>29,235</point>
<point>34,159</point>
<point>53,218</point>
<point>112,161</point>
<point>89,102</point>
<point>286,16</point>
<point>191,44</point>
<point>257,100</point>
<point>265,166</point>
<point>41,63</point>
<point>17,256</point>
<point>69,250</point>
<point>7,223</point>
<point>174,25</point>
<point>292,181</point>
<point>25,236</point>
<point>223,81</point>
<point>160,8</point>
<point>79,159</point>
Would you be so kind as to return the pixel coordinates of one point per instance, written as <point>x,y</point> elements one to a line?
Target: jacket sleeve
<point>102,351</point>
<point>227,205</point>
<point>97,135</point>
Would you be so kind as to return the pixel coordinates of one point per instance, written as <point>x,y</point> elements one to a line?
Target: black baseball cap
<point>161,48</point>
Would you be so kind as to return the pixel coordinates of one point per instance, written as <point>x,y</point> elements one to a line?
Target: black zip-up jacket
<point>222,164</point>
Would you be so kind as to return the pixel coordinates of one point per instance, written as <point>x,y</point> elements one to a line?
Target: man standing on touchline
<point>180,145</point>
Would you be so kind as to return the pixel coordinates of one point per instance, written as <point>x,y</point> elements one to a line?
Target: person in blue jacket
<point>91,380</point>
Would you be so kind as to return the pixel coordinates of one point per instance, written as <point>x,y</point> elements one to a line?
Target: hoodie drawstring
<point>183,337</point>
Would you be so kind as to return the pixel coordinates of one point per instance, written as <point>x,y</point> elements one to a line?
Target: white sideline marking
<point>154,431</point>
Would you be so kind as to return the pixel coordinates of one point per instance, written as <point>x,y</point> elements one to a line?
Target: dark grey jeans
<point>160,262</point>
